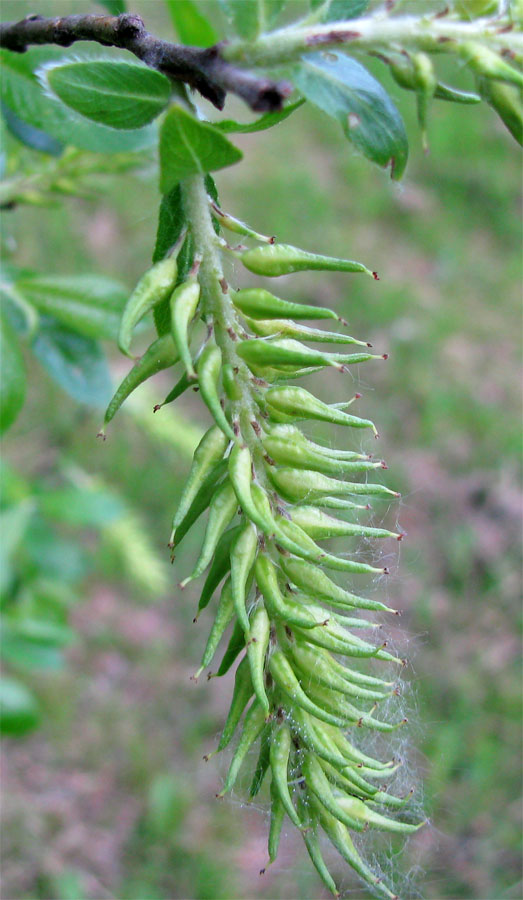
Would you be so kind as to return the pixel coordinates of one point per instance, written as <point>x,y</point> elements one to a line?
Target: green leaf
<point>339,10</point>
<point>32,137</point>
<point>171,220</point>
<point>13,525</point>
<point>52,556</point>
<point>89,304</point>
<point>190,147</point>
<point>24,654</point>
<point>210,187</point>
<point>18,708</point>
<point>116,93</point>
<point>242,15</point>
<point>248,18</point>
<point>343,88</point>
<point>12,376</point>
<point>190,24</point>
<point>21,91</point>
<point>115,7</point>
<point>266,121</point>
<point>86,508</point>
<point>75,362</point>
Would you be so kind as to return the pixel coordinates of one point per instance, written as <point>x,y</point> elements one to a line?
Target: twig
<point>205,70</point>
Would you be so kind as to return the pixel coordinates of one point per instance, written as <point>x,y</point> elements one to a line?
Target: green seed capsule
<point>208,453</point>
<point>277,817</point>
<point>301,484</point>
<point>319,525</point>
<point>224,614</point>
<point>209,369</point>
<point>320,787</point>
<point>312,843</point>
<point>160,355</point>
<point>284,676</point>
<point>242,556</point>
<point>348,646</point>
<point>234,647</point>
<point>301,456</point>
<point>487,63</point>
<point>287,328</point>
<point>184,303</point>
<point>287,352</point>
<point>220,566</point>
<point>339,836</point>
<point>252,726</point>
<point>221,511</point>
<point>506,100</point>
<point>298,403</point>
<point>282,259</point>
<point>287,611</point>
<point>313,581</point>
<point>357,809</point>
<point>292,434</point>
<point>299,647</point>
<point>257,644</point>
<point>304,546</point>
<point>313,664</point>
<point>352,755</point>
<point>179,388</point>
<point>230,383</point>
<point>260,304</point>
<point>242,693</point>
<point>308,737</point>
<point>331,701</point>
<point>154,287</point>
<point>240,473</point>
<point>263,761</point>
<point>200,503</point>
<point>279,759</point>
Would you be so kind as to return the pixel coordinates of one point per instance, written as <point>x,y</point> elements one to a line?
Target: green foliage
<point>118,94</point>
<point>21,91</point>
<point>190,24</point>
<point>189,147</point>
<point>341,87</point>
<point>264,482</point>
<point>12,375</point>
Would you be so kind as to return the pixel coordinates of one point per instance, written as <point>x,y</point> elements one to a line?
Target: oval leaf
<point>21,91</point>
<point>345,90</point>
<point>190,24</point>
<point>266,121</point>
<point>190,147</point>
<point>12,376</point>
<point>75,362</point>
<point>118,94</point>
<point>89,304</point>
<point>18,708</point>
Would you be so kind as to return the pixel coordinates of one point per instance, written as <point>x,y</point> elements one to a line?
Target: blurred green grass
<point>111,797</point>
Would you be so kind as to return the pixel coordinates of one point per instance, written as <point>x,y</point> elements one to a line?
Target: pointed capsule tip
<point>368,343</point>
<point>384,355</point>
<point>101,434</point>
<point>375,276</point>
<point>357,396</point>
<point>157,407</point>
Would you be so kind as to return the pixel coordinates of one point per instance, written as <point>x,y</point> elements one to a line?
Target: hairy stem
<point>218,306</point>
<point>374,33</point>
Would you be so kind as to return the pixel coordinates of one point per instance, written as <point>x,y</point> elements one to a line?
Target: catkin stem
<point>372,33</point>
<point>218,306</point>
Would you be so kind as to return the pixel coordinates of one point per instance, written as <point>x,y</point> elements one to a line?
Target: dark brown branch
<point>204,70</point>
